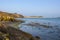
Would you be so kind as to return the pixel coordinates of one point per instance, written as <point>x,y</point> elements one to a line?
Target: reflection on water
<point>51,33</point>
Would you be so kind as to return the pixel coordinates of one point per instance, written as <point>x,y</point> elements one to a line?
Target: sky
<point>45,8</point>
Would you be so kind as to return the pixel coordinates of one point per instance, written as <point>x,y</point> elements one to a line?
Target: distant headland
<point>33,16</point>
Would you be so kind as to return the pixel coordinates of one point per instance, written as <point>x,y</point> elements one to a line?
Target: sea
<point>50,33</point>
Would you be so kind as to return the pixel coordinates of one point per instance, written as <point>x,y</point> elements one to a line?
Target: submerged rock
<point>34,24</point>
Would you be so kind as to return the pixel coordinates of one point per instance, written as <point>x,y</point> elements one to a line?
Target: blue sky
<point>46,8</point>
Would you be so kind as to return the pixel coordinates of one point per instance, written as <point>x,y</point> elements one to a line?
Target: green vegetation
<point>5,18</point>
<point>6,14</point>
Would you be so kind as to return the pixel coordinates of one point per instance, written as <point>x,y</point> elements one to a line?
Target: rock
<point>37,37</point>
<point>37,25</point>
<point>16,34</point>
<point>6,14</point>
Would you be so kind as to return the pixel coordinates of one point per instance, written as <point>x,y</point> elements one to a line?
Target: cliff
<point>6,14</point>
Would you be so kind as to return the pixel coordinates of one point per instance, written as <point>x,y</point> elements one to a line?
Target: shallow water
<point>51,33</point>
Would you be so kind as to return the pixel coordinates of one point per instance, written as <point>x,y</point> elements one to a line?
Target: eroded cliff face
<point>6,14</point>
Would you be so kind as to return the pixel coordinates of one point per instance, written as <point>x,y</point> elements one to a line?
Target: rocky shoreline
<point>11,33</point>
<point>8,31</point>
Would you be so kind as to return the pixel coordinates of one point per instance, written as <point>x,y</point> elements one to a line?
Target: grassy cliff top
<point>6,14</point>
